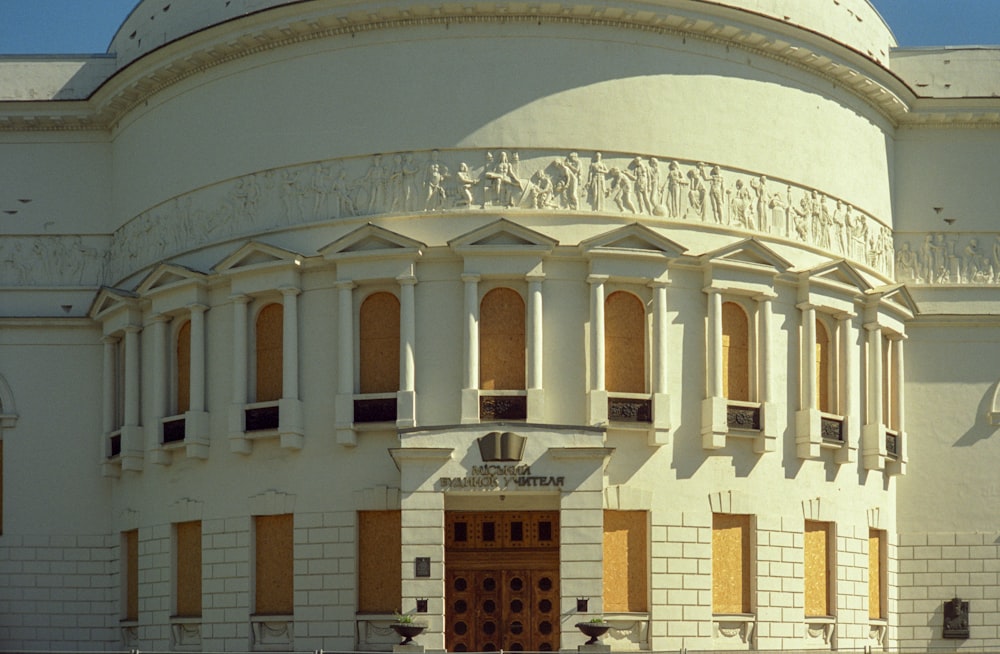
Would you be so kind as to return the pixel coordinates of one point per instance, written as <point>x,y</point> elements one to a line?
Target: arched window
<point>379,343</point>
<point>269,353</point>
<point>735,352</point>
<point>501,341</point>
<point>183,354</point>
<point>824,368</point>
<point>625,343</point>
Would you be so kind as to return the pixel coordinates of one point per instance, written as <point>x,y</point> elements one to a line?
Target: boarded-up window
<point>625,562</point>
<point>273,565</point>
<point>817,568</point>
<point>380,551</point>
<point>269,331</point>
<point>184,368</point>
<point>731,581</point>
<point>625,343</point>
<point>823,369</point>
<point>735,353</point>
<point>188,567</point>
<point>876,573</point>
<point>379,343</point>
<point>501,341</point>
<point>130,574</point>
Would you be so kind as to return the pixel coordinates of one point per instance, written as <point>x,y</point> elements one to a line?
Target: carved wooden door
<point>502,595</point>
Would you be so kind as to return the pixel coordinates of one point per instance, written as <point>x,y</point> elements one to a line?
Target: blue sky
<point>82,26</point>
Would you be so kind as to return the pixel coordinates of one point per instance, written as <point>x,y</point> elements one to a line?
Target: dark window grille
<point>892,443</point>
<point>375,410</point>
<point>743,417</point>
<point>622,409</point>
<point>503,407</point>
<point>262,419</point>
<point>173,431</point>
<point>832,429</point>
<point>116,446</point>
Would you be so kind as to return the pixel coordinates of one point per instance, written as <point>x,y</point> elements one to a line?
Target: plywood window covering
<point>731,580</point>
<point>823,353</point>
<point>625,343</point>
<point>626,574</point>
<point>735,352</point>
<point>130,572</point>
<point>817,568</point>
<point>379,343</point>
<point>380,563</point>
<point>501,341</point>
<point>269,352</point>
<point>188,569</point>
<point>876,574</point>
<point>273,565</point>
<point>184,368</point>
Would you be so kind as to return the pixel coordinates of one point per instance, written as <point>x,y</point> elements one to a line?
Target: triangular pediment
<point>632,240</point>
<point>111,299</point>
<point>256,255</point>
<point>502,235</point>
<point>372,240</point>
<point>169,276</point>
<point>747,253</point>
<point>897,297</point>
<point>838,274</point>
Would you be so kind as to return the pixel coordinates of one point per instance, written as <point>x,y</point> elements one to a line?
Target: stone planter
<point>593,629</point>
<point>407,630</point>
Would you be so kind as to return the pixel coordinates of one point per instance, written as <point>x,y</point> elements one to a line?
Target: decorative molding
<point>948,259</point>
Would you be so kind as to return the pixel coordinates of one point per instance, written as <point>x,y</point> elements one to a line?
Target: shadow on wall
<point>987,419</point>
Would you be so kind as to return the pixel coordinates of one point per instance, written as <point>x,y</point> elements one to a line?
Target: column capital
<point>197,307</point>
<point>712,290</point>
<point>159,318</point>
<point>766,296</point>
<point>597,279</point>
<point>287,291</point>
<point>132,329</point>
<point>407,279</point>
<point>658,283</point>
<point>805,306</point>
<point>344,284</point>
<point>896,336</point>
<point>535,277</point>
<point>471,278</point>
<point>872,326</point>
<point>845,315</point>
<point>240,298</point>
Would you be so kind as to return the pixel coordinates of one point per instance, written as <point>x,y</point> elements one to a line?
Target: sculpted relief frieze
<point>941,258</point>
<point>58,261</point>
<point>647,187</point>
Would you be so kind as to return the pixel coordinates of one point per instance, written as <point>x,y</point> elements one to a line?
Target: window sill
<point>733,629</point>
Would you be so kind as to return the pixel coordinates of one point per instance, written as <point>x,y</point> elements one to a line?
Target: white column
<point>714,338</point>
<point>471,330</point>
<point>535,342</point>
<point>345,338</point>
<point>808,353</point>
<point>132,381</point>
<point>660,376</point>
<point>875,373</point>
<point>765,347</point>
<point>197,381</point>
<point>161,374</point>
<point>111,381</point>
<point>896,387</point>
<point>240,353</point>
<point>290,343</point>
<point>848,404</point>
<point>407,333</point>
<point>597,299</point>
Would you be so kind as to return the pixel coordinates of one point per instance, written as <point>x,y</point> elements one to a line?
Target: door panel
<point>502,588</point>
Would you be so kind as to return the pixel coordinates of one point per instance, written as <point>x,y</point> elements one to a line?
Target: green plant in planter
<point>403,618</point>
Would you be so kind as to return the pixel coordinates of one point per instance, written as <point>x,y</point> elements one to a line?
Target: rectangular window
<point>130,575</point>
<point>876,574</point>
<point>273,565</point>
<point>818,579</point>
<point>380,562</point>
<point>626,571</point>
<point>731,561</point>
<point>187,566</point>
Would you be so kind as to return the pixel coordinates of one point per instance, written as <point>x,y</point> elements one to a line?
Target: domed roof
<point>153,23</point>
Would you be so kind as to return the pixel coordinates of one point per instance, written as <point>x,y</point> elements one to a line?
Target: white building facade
<point>505,316</point>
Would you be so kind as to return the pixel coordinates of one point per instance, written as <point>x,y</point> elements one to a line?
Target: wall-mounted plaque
<point>956,619</point>
<point>422,566</point>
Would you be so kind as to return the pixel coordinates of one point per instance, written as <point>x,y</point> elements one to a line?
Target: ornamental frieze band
<point>500,179</point>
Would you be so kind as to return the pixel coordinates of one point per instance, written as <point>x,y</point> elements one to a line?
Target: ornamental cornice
<point>273,29</point>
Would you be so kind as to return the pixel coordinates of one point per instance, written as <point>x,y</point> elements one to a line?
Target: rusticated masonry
<point>654,188</point>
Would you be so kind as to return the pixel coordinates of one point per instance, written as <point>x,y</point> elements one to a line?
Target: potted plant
<point>594,628</point>
<point>407,627</point>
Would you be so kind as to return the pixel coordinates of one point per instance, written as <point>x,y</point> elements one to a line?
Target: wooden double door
<point>502,581</point>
